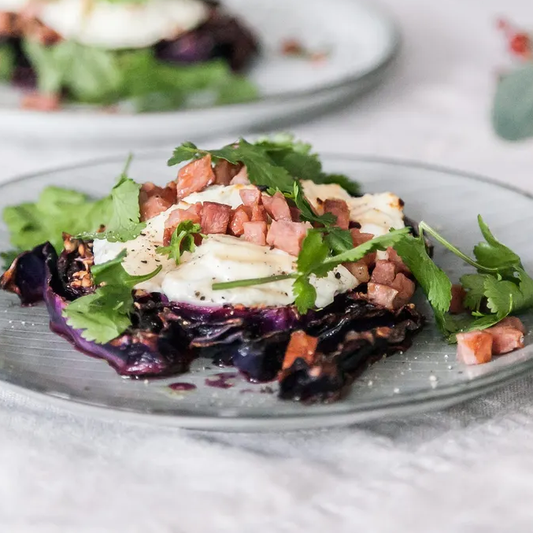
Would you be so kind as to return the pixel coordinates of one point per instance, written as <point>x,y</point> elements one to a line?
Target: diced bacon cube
<point>359,270</point>
<point>7,24</point>
<point>382,295</point>
<point>225,172</point>
<point>512,322</point>
<point>238,218</point>
<point>384,272</point>
<point>301,346</point>
<point>405,288</point>
<point>153,200</point>
<point>397,260</point>
<point>295,214</point>
<point>241,178</point>
<point>474,347</point>
<point>340,209</point>
<point>360,238</point>
<point>458,296</point>
<point>195,177</point>
<point>255,232</point>
<point>277,206</point>
<point>287,235</point>
<point>41,102</point>
<point>505,339</point>
<point>250,197</point>
<point>177,216</point>
<point>215,217</point>
<point>259,214</point>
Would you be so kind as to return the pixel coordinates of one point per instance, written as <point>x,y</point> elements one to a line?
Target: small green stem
<point>425,227</point>
<point>250,282</point>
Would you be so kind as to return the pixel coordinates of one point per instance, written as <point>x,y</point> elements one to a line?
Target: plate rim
<point>389,407</point>
<point>388,57</point>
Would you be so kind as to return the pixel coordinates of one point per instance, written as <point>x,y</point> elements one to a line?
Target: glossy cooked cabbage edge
<point>165,337</point>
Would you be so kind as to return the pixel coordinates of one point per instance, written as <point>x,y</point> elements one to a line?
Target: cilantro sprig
<point>124,220</point>
<point>500,287</point>
<point>278,163</point>
<point>105,314</point>
<point>314,260</point>
<point>59,210</point>
<point>182,240</point>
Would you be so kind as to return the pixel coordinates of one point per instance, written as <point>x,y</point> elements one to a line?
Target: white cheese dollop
<point>120,25</point>
<point>377,213</point>
<point>222,258</point>
<point>219,258</point>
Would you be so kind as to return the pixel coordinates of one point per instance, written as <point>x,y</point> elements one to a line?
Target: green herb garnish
<point>105,314</point>
<point>314,260</point>
<point>182,240</point>
<point>124,220</point>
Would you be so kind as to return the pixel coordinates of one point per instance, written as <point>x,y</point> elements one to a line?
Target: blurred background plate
<point>425,377</point>
<point>360,40</point>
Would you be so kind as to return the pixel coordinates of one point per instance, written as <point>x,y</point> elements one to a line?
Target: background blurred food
<point>153,54</point>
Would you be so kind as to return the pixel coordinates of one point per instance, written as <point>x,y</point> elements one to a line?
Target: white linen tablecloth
<point>465,469</point>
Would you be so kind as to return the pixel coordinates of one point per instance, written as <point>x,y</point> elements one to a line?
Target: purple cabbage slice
<point>165,337</point>
<point>221,36</point>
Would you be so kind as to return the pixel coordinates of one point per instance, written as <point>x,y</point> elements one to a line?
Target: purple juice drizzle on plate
<point>181,386</point>
<point>221,380</point>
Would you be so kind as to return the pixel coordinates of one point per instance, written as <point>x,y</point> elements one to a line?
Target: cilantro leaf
<point>381,242</point>
<point>505,297</point>
<point>105,314</point>
<point>261,168</point>
<point>305,294</point>
<point>56,211</point>
<point>434,282</point>
<point>474,284</point>
<point>339,240</point>
<point>297,158</point>
<point>182,240</point>
<point>124,221</point>
<point>492,253</point>
<point>7,62</point>
<point>313,253</point>
<point>262,171</point>
<point>277,162</point>
<point>97,316</point>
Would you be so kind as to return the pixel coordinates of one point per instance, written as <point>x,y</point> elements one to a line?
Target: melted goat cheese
<point>219,258</point>
<point>377,213</point>
<point>120,25</point>
<point>222,258</point>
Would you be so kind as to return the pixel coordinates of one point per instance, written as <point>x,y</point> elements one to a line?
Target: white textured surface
<point>467,469</point>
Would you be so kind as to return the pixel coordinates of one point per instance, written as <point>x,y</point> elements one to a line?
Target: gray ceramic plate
<point>426,377</point>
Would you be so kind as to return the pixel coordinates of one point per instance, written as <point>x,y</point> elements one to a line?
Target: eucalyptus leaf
<point>512,114</point>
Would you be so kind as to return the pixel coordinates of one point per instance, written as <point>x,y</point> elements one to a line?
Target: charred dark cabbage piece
<point>365,335</point>
<point>221,36</point>
<point>165,337</point>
